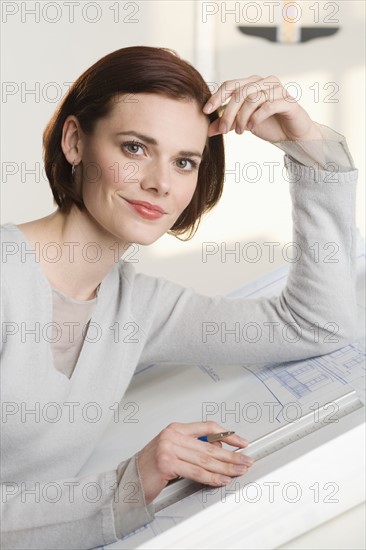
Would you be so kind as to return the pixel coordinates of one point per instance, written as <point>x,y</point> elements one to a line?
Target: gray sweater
<point>51,423</point>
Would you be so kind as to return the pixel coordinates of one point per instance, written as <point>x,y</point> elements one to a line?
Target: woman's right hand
<point>177,451</point>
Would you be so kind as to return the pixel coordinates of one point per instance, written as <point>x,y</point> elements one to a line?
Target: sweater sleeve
<point>74,513</point>
<point>67,513</point>
<point>330,153</point>
<point>129,507</point>
<point>315,313</point>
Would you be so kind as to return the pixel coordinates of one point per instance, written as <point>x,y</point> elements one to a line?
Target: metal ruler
<point>320,417</point>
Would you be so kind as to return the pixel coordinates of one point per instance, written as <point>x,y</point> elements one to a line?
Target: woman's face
<point>140,165</point>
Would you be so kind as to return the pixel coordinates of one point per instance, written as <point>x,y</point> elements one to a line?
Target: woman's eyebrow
<point>152,141</point>
<point>148,139</point>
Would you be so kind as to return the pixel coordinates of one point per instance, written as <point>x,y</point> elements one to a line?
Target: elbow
<point>349,332</point>
<point>326,326</point>
<point>334,335</point>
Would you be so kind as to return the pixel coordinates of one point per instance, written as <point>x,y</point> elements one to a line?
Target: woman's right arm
<point>71,513</point>
<point>94,510</point>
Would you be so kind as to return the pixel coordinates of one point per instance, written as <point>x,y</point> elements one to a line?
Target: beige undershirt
<point>70,322</point>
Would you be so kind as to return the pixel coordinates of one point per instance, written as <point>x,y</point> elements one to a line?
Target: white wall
<point>45,56</point>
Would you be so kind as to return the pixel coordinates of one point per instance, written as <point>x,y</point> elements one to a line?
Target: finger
<point>252,94</point>
<point>213,129</point>
<point>210,466</point>
<point>239,91</point>
<point>225,91</point>
<point>226,122</point>
<point>196,473</point>
<point>265,85</point>
<point>215,461</point>
<point>180,445</point>
<point>192,450</point>
<point>244,102</point>
<point>228,116</point>
<point>178,432</point>
<point>197,429</point>
<point>236,441</point>
<point>267,110</point>
<point>252,104</point>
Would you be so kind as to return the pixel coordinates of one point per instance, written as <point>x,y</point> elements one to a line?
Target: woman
<point>136,150</point>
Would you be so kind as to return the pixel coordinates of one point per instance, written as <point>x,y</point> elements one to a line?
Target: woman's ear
<point>71,142</point>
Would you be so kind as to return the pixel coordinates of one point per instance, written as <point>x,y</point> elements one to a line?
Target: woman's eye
<point>186,164</point>
<point>133,147</point>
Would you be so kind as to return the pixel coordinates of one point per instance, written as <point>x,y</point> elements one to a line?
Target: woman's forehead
<point>158,114</point>
<point>123,103</point>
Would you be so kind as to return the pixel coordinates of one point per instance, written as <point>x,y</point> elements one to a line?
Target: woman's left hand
<point>262,106</point>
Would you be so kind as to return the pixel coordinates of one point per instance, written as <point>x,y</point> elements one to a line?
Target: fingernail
<point>225,480</point>
<point>208,108</point>
<point>222,127</point>
<point>240,469</point>
<point>247,460</point>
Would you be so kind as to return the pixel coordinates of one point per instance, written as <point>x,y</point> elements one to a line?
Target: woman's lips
<point>146,209</point>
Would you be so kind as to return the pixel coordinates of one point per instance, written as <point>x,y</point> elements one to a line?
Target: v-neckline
<point>48,287</point>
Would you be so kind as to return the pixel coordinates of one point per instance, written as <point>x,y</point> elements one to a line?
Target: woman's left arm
<point>316,312</point>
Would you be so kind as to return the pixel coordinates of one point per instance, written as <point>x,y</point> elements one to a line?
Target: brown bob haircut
<point>133,70</point>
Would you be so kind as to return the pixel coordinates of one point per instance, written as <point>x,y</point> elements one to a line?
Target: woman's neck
<point>75,253</point>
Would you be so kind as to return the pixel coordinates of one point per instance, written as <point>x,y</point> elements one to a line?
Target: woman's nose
<point>157,178</point>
